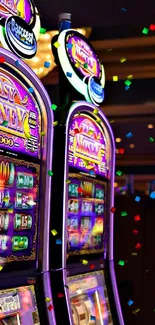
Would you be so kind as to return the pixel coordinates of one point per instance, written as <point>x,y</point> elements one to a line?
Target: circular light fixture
<point>132,146</point>
<point>118,140</point>
<point>150,126</point>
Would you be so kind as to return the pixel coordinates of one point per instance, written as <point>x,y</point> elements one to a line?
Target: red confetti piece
<point>135,232</point>
<point>50,307</point>
<point>60,295</point>
<point>92,266</point>
<point>121,151</point>
<point>112,209</point>
<point>2,59</point>
<point>80,190</point>
<point>138,246</point>
<point>137,217</point>
<point>152,27</point>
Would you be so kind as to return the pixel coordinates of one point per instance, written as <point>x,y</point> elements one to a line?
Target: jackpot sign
<point>19,27</point>
<point>81,65</point>
<point>87,145</point>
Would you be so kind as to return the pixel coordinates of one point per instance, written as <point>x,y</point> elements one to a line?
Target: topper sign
<point>81,65</point>
<point>19,27</point>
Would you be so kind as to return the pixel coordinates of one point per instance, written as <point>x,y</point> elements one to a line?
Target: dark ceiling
<point>109,19</point>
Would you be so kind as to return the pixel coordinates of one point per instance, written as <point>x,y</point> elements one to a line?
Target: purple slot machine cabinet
<point>26,137</point>
<point>82,271</point>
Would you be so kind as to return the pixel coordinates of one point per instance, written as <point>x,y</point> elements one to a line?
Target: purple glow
<point>20,109</point>
<point>12,8</point>
<point>87,146</point>
<point>80,52</point>
<point>87,107</point>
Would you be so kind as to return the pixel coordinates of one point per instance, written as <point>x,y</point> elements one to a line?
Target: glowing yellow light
<point>150,126</point>
<point>115,184</point>
<point>118,140</point>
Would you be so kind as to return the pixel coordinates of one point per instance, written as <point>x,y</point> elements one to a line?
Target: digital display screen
<point>19,192</point>
<point>87,146</point>
<point>89,299</point>
<point>85,215</point>
<point>20,118</point>
<point>18,306</point>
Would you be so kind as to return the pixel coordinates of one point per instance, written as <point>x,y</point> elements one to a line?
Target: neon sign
<point>87,145</point>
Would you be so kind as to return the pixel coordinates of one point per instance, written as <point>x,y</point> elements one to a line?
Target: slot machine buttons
<point>19,243</point>
<point>22,222</point>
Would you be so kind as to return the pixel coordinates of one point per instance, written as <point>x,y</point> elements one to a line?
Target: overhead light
<point>150,126</point>
<point>132,146</point>
<point>79,291</point>
<point>118,140</point>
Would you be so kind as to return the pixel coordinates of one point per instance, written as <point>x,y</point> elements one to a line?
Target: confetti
<point>48,299</point>
<point>84,262</point>
<point>54,107</point>
<point>2,59</point>
<point>112,121</point>
<point>115,78</point>
<point>91,172</point>
<point>152,195</point>
<point>85,65</point>
<point>60,295</point>
<point>152,27</point>
<point>124,9</point>
<point>137,198</point>
<point>134,254</point>
<point>98,120</point>
<point>1,268</point>
<point>69,46</point>
<point>55,123</point>
<point>50,307</point>
<point>77,65</point>
<point>80,190</point>
<point>31,90</point>
<point>136,311</point>
<point>50,173</point>
<point>69,74</point>
<point>5,123</point>
<point>17,63</point>
<point>68,181</point>
<point>119,172</point>
<point>122,60</point>
<point>137,217</point>
<point>130,76</point>
<point>113,209</point>
<point>92,317</point>
<point>42,134</point>
<point>10,209</point>
<point>138,246</point>
<point>130,302</point>
<point>54,232</point>
<point>95,111</point>
<point>129,135</point>
<point>43,30</point>
<point>128,82</point>
<point>124,214</point>
<point>126,87</point>
<point>58,241</point>
<point>145,31</point>
<point>92,266</point>
<point>121,262</point>
<point>135,232</point>
<point>121,151</point>
<point>151,139</point>
<point>47,64</point>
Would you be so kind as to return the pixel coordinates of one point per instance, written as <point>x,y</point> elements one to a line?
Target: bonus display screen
<point>18,306</point>
<point>19,192</point>
<point>89,299</point>
<point>86,199</point>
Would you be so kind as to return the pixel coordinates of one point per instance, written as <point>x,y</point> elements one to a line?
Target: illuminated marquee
<point>87,148</point>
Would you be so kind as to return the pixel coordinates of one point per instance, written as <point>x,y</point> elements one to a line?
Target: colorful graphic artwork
<point>18,306</point>
<point>87,146</point>
<point>21,8</point>
<point>20,119</point>
<point>85,216</point>
<point>19,191</point>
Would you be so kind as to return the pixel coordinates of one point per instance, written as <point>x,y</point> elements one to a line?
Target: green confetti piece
<point>54,107</point>
<point>145,31</point>
<point>121,262</point>
<point>151,139</point>
<point>43,30</point>
<point>5,123</point>
<point>124,214</point>
<point>119,173</point>
<point>85,65</point>
<point>50,173</point>
<point>127,82</point>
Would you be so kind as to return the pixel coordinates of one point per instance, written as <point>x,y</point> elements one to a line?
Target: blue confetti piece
<point>91,172</point>
<point>69,74</point>
<point>126,87</point>
<point>58,241</point>
<point>17,63</point>
<point>92,317</point>
<point>124,9</point>
<point>152,195</point>
<point>31,90</point>
<point>137,198</point>
<point>129,135</point>
<point>47,64</point>
<point>69,46</point>
<point>130,302</point>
